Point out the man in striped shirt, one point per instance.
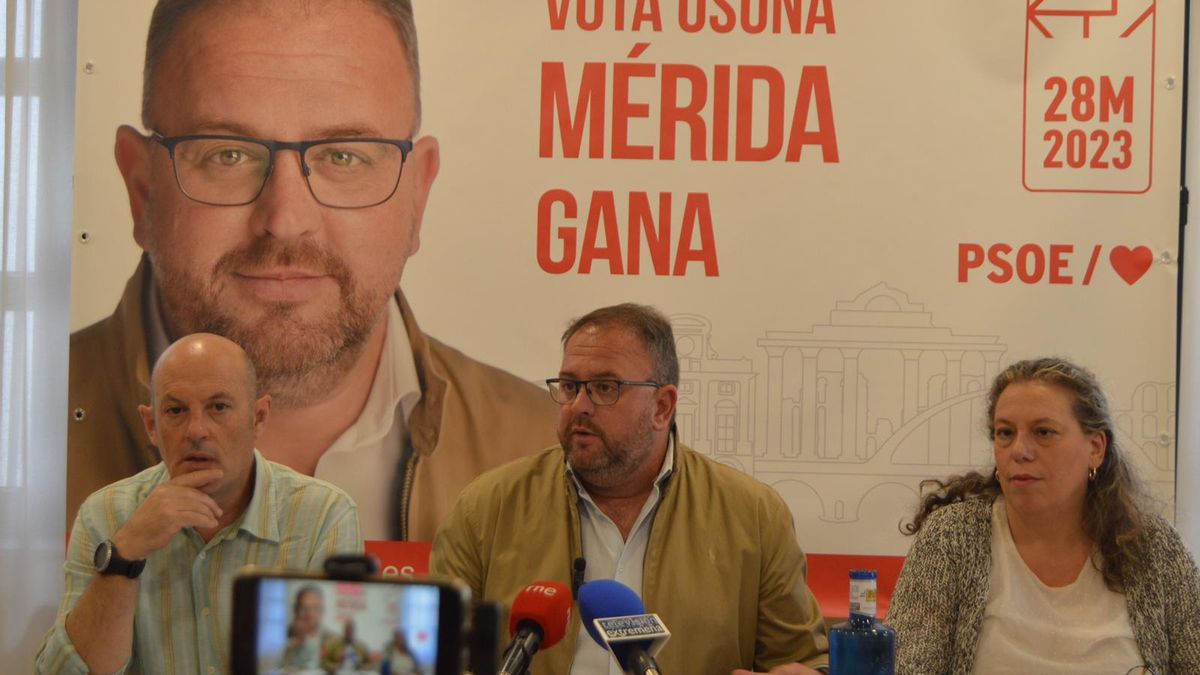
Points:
(151, 559)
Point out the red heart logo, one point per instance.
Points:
(1131, 264)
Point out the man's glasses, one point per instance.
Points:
(601, 392)
(342, 173)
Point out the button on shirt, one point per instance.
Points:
(610, 556)
(182, 621)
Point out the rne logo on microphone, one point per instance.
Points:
(548, 591)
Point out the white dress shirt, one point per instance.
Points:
(610, 556)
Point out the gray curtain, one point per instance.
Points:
(37, 151)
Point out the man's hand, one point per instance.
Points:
(101, 624)
(785, 669)
(172, 506)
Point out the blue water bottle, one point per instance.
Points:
(862, 645)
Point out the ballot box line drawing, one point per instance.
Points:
(1089, 96)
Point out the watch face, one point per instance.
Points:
(103, 555)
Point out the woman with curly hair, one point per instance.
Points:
(1048, 563)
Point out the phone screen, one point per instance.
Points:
(306, 625)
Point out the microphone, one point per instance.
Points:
(540, 615)
(617, 620)
(577, 577)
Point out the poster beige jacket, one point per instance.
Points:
(471, 416)
(722, 568)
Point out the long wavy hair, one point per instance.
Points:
(1112, 517)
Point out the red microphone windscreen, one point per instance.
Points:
(546, 603)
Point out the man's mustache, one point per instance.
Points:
(265, 252)
(586, 424)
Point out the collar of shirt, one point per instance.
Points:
(363, 461)
(396, 387)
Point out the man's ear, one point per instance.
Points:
(424, 162)
(262, 410)
(148, 421)
(665, 399)
(132, 152)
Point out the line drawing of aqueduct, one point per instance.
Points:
(877, 398)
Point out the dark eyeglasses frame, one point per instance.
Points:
(586, 385)
(301, 147)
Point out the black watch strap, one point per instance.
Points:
(110, 563)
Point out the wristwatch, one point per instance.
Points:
(109, 562)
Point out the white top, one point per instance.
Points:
(1029, 627)
(610, 556)
(365, 459)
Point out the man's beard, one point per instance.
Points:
(617, 461)
(298, 361)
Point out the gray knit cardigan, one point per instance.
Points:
(937, 608)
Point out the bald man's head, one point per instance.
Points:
(201, 346)
(204, 411)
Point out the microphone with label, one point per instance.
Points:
(540, 615)
(617, 620)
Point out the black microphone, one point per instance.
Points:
(540, 616)
(577, 577)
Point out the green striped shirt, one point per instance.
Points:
(182, 622)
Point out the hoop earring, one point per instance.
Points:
(996, 474)
(1092, 473)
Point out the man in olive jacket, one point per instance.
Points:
(277, 189)
(710, 550)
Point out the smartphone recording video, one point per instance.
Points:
(302, 623)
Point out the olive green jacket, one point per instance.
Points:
(471, 416)
(722, 568)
